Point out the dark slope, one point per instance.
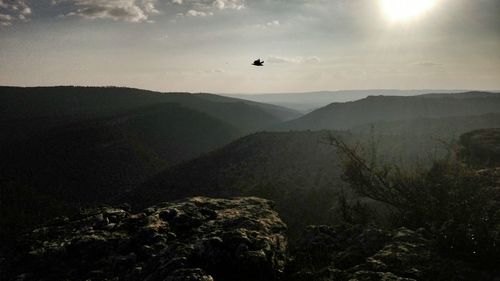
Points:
(59, 105)
(276, 164)
(65, 147)
(296, 170)
(282, 113)
(445, 127)
(115, 151)
(481, 147)
(463, 95)
(90, 162)
(390, 108)
(297, 166)
(297, 160)
(423, 139)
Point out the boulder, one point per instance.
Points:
(367, 253)
(199, 239)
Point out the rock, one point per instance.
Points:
(355, 253)
(191, 274)
(376, 276)
(197, 239)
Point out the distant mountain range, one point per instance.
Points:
(373, 109)
(308, 101)
(48, 106)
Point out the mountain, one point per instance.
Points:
(63, 148)
(280, 112)
(295, 169)
(309, 101)
(90, 162)
(297, 160)
(445, 127)
(34, 109)
(115, 151)
(461, 95)
(275, 165)
(297, 166)
(375, 109)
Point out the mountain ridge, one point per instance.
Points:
(373, 109)
(309, 101)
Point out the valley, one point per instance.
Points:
(80, 148)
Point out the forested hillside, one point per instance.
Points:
(375, 109)
(46, 106)
(63, 148)
(70, 147)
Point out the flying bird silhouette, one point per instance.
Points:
(258, 62)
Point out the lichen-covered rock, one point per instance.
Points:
(199, 239)
(353, 253)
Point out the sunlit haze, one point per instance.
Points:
(209, 45)
(402, 10)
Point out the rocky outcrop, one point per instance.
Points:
(203, 239)
(324, 253)
(199, 239)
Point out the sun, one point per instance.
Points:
(404, 10)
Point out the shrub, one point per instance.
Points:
(457, 205)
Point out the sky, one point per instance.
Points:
(209, 45)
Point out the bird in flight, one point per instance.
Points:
(258, 63)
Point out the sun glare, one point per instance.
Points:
(404, 10)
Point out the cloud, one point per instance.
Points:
(273, 23)
(297, 60)
(208, 7)
(213, 71)
(142, 10)
(12, 11)
(229, 4)
(426, 64)
(204, 8)
(209, 4)
(117, 10)
(195, 13)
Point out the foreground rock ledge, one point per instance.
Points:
(196, 239)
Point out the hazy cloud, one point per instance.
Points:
(273, 23)
(426, 64)
(12, 11)
(195, 13)
(142, 10)
(209, 4)
(229, 4)
(280, 59)
(213, 71)
(204, 8)
(117, 10)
